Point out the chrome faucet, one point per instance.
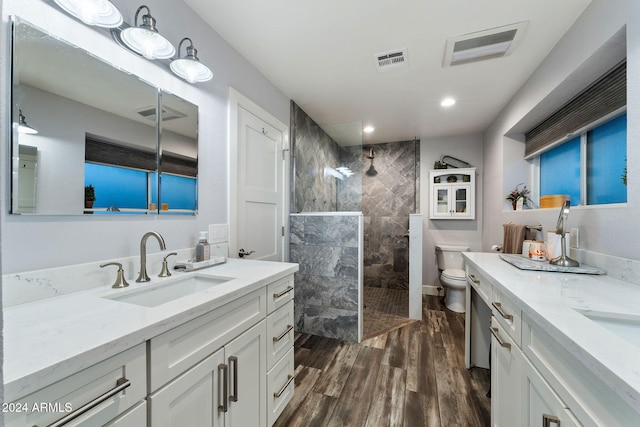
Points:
(143, 276)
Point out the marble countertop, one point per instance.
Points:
(50, 339)
(556, 301)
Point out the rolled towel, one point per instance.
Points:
(514, 235)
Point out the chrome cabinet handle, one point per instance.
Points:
(473, 279)
(286, 291)
(234, 397)
(548, 419)
(278, 393)
(121, 384)
(494, 332)
(284, 334)
(498, 306)
(223, 371)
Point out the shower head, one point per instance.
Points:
(372, 154)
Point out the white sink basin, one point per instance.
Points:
(626, 326)
(154, 295)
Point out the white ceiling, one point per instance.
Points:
(321, 55)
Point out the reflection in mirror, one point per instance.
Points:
(96, 150)
(178, 156)
(78, 102)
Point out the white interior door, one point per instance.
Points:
(258, 185)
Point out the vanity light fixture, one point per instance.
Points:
(23, 127)
(145, 40)
(101, 13)
(368, 129)
(190, 68)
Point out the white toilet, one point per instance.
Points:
(452, 276)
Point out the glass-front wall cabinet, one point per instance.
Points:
(452, 193)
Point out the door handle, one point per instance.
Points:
(242, 253)
(234, 397)
(121, 384)
(503, 343)
(223, 371)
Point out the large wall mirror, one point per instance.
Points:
(100, 147)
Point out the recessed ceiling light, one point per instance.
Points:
(368, 129)
(448, 102)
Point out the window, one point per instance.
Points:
(117, 186)
(179, 192)
(590, 167)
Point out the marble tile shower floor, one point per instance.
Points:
(384, 310)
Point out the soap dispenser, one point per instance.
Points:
(202, 248)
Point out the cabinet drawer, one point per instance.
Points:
(478, 282)
(542, 406)
(507, 315)
(592, 401)
(279, 333)
(280, 385)
(180, 348)
(136, 417)
(279, 293)
(103, 384)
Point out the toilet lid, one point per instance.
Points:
(454, 273)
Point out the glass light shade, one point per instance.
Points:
(147, 43)
(191, 70)
(101, 13)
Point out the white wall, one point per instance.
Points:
(614, 230)
(30, 243)
(458, 232)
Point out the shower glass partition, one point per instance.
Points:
(326, 224)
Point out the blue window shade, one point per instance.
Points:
(115, 186)
(560, 171)
(606, 161)
(178, 192)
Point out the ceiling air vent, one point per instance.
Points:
(149, 113)
(391, 60)
(487, 44)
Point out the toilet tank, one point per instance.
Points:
(449, 256)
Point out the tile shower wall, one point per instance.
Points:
(327, 248)
(389, 194)
(314, 151)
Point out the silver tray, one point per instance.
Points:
(526, 264)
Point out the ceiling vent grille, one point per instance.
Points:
(149, 113)
(387, 61)
(488, 44)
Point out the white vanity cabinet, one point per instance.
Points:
(506, 374)
(228, 387)
(110, 393)
(220, 358)
(280, 337)
(535, 380)
(452, 193)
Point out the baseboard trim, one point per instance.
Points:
(429, 290)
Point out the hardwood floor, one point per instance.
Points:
(413, 376)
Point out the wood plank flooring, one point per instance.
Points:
(413, 376)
